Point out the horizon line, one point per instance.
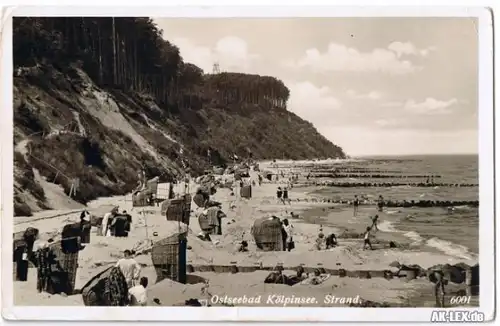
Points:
(414, 154)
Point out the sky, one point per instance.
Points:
(374, 86)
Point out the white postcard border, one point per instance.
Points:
(486, 175)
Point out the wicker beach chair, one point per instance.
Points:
(169, 258)
(267, 234)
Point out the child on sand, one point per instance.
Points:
(367, 239)
(243, 246)
(331, 241)
(320, 242)
(279, 193)
(138, 293)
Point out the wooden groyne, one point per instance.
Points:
(392, 184)
(395, 203)
(372, 176)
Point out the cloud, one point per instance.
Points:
(230, 52)
(339, 57)
(387, 122)
(392, 104)
(407, 48)
(373, 95)
(381, 141)
(430, 106)
(312, 103)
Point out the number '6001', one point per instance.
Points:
(460, 300)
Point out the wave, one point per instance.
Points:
(387, 226)
(417, 239)
(451, 248)
(447, 247)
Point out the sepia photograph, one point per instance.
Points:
(312, 162)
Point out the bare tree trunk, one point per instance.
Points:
(114, 52)
(100, 54)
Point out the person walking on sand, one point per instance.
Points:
(130, 268)
(374, 222)
(279, 193)
(367, 239)
(355, 205)
(380, 203)
(138, 294)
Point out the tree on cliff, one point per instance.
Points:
(131, 54)
(226, 113)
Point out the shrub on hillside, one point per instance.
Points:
(114, 172)
(21, 208)
(26, 178)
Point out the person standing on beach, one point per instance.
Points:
(284, 235)
(279, 193)
(355, 204)
(285, 196)
(106, 221)
(289, 235)
(374, 222)
(130, 268)
(367, 239)
(129, 221)
(380, 203)
(85, 227)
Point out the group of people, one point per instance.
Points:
(115, 224)
(322, 243)
(368, 233)
(278, 277)
(282, 195)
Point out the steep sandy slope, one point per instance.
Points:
(67, 127)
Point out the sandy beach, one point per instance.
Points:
(310, 216)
